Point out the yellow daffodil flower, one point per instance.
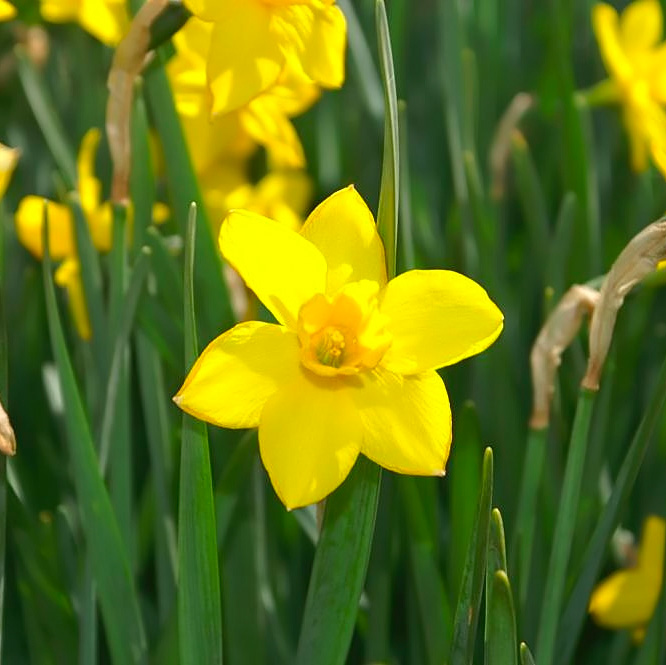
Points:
(627, 598)
(106, 20)
(635, 58)
(8, 159)
(7, 10)
(253, 41)
(350, 366)
(264, 120)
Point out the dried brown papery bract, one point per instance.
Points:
(637, 260)
(555, 336)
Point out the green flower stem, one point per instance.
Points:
(576, 610)
(564, 529)
(523, 537)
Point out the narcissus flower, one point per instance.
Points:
(8, 159)
(349, 367)
(635, 58)
(106, 20)
(253, 41)
(627, 598)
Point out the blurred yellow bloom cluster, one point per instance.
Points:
(29, 221)
(350, 366)
(220, 145)
(635, 58)
(106, 20)
(627, 598)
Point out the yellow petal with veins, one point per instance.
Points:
(237, 372)
(343, 229)
(309, 439)
(406, 421)
(279, 265)
(436, 318)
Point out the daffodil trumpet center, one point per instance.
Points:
(344, 333)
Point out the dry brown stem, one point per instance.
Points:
(129, 59)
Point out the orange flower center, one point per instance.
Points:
(345, 333)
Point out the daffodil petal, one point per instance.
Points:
(343, 229)
(641, 25)
(316, 34)
(8, 158)
(279, 265)
(237, 372)
(244, 57)
(29, 220)
(436, 318)
(309, 439)
(606, 25)
(406, 421)
(627, 598)
(68, 276)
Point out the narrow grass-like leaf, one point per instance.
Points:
(532, 198)
(174, 16)
(501, 630)
(389, 195)
(471, 588)
(523, 535)
(407, 254)
(428, 585)
(164, 265)
(576, 609)
(496, 562)
(4, 386)
(199, 607)
(339, 568)
(91, 278)
(110, 562)
(564, 529)
(153, 393)
(43, 107)
(118, 360)
(463, 484)
(653, 649)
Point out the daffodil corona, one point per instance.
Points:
(350, 365)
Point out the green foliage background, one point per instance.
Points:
(568, 204)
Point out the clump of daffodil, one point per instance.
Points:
(106, 20)
(627, 598)
(263, 120)
(254, 41)
(350, 365)
(633, 55)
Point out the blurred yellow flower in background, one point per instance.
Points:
(7, 10)
(106, 20)
(8, 159)
(350, 366)
(635, 58)
(254, 41)
(627, 598)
